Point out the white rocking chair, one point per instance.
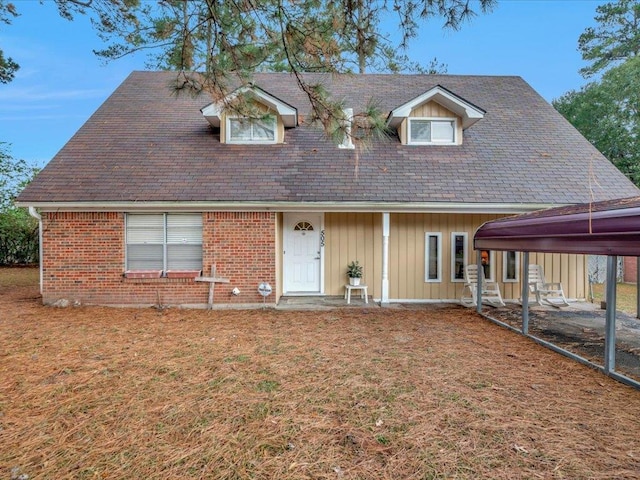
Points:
(490, 290)
(550, 293)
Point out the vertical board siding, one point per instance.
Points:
(431, 109)
(407, 261)
(349, 237)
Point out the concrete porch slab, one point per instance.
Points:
(323, 302)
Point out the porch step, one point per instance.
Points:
(326, 302)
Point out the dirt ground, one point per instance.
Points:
(581, 331)
(89, 392)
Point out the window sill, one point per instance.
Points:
(155, 276)
(183, 273)
(143, 274)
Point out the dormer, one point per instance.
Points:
(437, 117)
(260, 119)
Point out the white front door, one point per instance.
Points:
(302, 253)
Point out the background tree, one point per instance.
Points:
(14, 176)
(8, 67)
(18, 230)
(615, 38)
(607, 111)
(217, 45)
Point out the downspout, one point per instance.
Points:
(36, 215)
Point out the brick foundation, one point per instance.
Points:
(84, 260)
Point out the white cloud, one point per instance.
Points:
(40, 93)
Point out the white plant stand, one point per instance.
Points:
(363, 292)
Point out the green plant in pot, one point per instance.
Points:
(354, 272)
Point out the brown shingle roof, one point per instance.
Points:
(145, 144)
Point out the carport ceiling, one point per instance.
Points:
(601, 228)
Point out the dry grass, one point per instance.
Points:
(345, 394)
(18, 277)
(625, 296)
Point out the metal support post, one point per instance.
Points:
(479, 285)
(610, 324)
(525, 293)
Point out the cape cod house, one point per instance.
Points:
(154, 189)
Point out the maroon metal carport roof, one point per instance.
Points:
(601, 228)
(608, 228)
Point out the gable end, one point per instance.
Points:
(466, 111)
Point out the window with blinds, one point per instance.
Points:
(164, 241)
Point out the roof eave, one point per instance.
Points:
(288, 206)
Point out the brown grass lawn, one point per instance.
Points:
(426, 393)
(625, 296)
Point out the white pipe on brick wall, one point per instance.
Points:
(36, 215)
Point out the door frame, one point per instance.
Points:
(288, 218)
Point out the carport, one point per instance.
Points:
(610, 228)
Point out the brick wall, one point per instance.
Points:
(242, 244)
(84, 260)
(630, 269)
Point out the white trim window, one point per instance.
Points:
(432, 131)
(458, 256)
(164, 241)
(488, 264)
(510, 267)
(432, 257)
(252, 130)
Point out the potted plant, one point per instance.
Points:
(354, 272)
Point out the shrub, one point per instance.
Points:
(18, 237)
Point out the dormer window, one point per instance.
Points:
(437, 117)
(251, 130)
(266, 126)
(430, 131)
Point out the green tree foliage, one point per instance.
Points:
(615, 38)
(8, 67)
(306, 35)
(18, 238)
(14, 176)
(607, 113)
(18, 230)
(225, 42)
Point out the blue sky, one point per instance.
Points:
(61, 82)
